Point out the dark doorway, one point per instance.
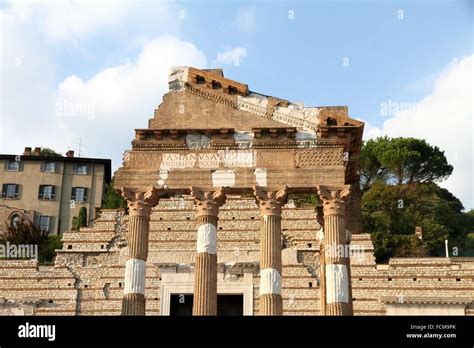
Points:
(230, 304)
(182, 304)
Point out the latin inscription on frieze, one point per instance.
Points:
(245, 158)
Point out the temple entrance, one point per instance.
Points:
(182, 304)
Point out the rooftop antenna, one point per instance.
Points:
(80, 144)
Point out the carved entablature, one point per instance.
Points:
(176, 134)
(208, 202)
(335, 127)
(270, 202)
(333, 199)
(322, 157)
(274, 132)
(195, 139)
(140, 201)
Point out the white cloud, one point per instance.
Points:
(111, 104)
(371, 131)
(445, 119)
(77, 20)
(233, 56)
(27, 72)
(72, 20)
(103, 109)
(245, 19)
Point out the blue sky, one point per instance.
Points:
(356, 53)
(388, 57)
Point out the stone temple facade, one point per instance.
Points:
(210, 228)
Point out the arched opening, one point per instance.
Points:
(15, 220)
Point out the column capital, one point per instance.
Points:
(270, 202)
(208, 202)
(140, 201)
(333, 198)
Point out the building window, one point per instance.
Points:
(48, 167)
(82, 169)
(13, 166)
(79, 194)
(44, 223)
(11, 191)
(46, 192)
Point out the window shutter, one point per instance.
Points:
(5, 165)
(17, 191)
(53, 192)
(4, 190)
(86, 191)
(73, 194)
(20, 166)
(43, 165)
(74, 168)
(40, 193)
(89, 169)
(56, 167)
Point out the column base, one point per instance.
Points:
(133, 304)
(271, 304)
(338, 308)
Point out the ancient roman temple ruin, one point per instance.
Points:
(214, 225)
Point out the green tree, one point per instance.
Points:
(112, 200)
(80, 220)
(398, 181)
(75, 223)
(48, 251)
(304, 199)
(47, 152)
(25, 232)
(82, 217)
(370, 167)
(391, 214)
(401, 161)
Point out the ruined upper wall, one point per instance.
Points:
(233, 105)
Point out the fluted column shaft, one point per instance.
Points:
(270, 204)
(337, 262)
(140, 204)
(205, 276)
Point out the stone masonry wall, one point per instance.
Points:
(87, 278)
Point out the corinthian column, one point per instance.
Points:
(337, 263)
(205, 281)
(270, 204)
(140, 203)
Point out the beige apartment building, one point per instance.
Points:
(48, 190)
